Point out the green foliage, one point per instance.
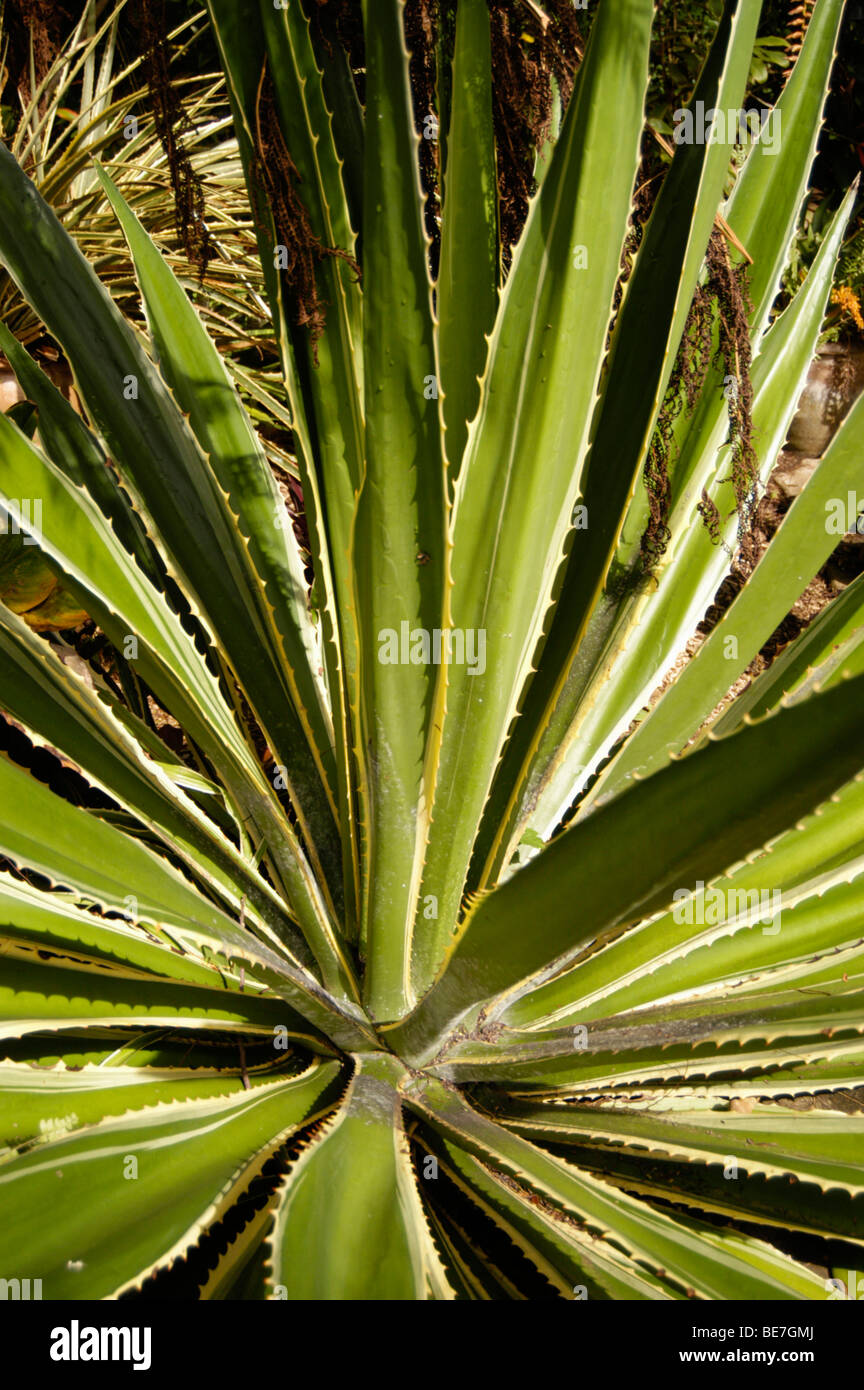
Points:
(380, 947)
(681, 38)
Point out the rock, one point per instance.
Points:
(834, 382)
(10, 391)
(793, 472)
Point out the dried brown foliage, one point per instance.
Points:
(172, 124)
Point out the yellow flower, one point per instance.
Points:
(849, 303)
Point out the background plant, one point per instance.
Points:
(88, 92)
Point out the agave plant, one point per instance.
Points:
(469, 944)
